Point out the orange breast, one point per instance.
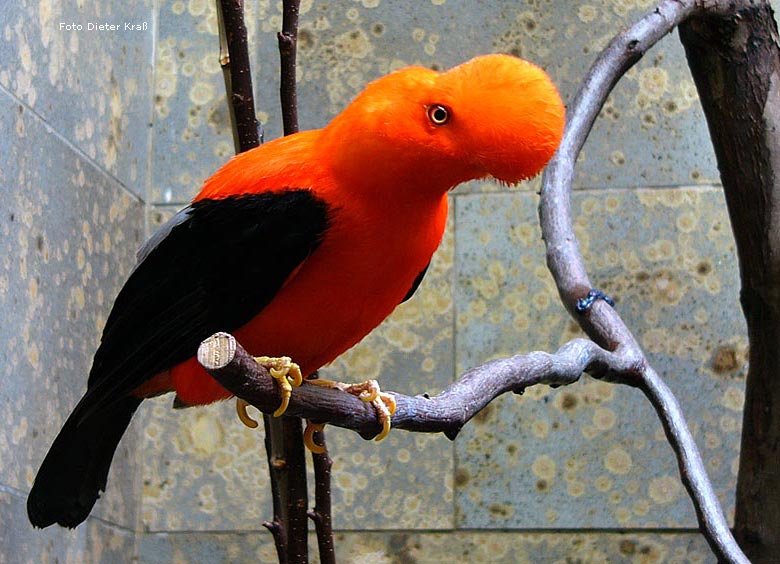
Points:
(351, 283)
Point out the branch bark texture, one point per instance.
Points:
(234, 60)
(288, 45)
(735, 62)
(446, 412)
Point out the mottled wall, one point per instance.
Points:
(528, 479)
(654, 232)
(75, 109)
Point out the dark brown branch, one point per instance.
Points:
(446, 413)
(735, 62)
(234, 59)
(321, 514)
(280, 539)
(247, 134)
(288, 41)
(296, 493)
(294, 488)
(602, 323)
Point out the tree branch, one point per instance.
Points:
(735, 63)
(321, 514)
(447, 412)
(296, 490)
(280, 538)
(288, 42)
(602, 323)
(283, 440)
(234, 60)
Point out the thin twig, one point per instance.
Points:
(602, 323)
(277, 463)
(296, 491)
(280, 539)
(234, 59)
(321, 514)
(288, 42)
(248, 134)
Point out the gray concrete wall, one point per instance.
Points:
(582, 473)
(75, 110)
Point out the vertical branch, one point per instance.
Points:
(274, 450)
(234, 60)
(602, 323)
(321, 515)
(288, 42)
(296, 498)
(735, 62)
(247, 134)
(296, 493)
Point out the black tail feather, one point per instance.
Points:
(75, 470)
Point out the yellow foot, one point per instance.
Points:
(284, 371)
(369, 392)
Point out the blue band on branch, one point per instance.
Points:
(584, 304)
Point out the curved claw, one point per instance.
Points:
(308, 437)
(369, 392)
(245, 418)
(287, 373)
(385, 406)
(286, 393)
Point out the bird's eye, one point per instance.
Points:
(438, 114)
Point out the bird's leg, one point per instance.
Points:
(284, 371)
(367, 391)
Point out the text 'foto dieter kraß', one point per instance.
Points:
(104, 26)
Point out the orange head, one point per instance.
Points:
(493, 116)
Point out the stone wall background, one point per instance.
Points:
(75, 111)
(105, 133)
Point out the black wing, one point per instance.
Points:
(217, 267)
(416, 283)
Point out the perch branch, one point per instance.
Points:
(224, 358)
(602, 323)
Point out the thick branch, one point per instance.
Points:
(735, 62)
(445, 413)
(602, 323)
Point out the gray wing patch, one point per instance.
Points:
(162, 232)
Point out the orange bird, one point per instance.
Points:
(299, 247)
